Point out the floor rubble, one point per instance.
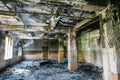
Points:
(32, 70)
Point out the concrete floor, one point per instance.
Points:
(32, 70)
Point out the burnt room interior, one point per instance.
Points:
(59, 40)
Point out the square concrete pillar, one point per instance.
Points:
(61, 50)
(110, 39)
(72, 51)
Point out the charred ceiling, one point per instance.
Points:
(98, 2)
(116, 3)
(91, 27)
(45, 18)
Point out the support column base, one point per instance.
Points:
(72, 66)
(114, 76)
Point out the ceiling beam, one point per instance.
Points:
(21, 12)
(3, 7)
(14, 12)
(18, 26)
(19, 29)
(10, 21)
(79, 6)
(85, 7)
(42, 38)
(89, 7)
(78, 25)
(36, 29)
(11, 26)
(30, 38)
(84, 23)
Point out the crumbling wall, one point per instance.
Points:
(80, 55)
(33, 51)
(8, 62)
(110, 41)
(2, 61)
(40, 49)
(32, 55)
(89, 48)
(53, 50)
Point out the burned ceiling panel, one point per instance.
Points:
(48, 16)
(33, 20)
(61, 19)
(98, 2)
(116, 3)
(10, 21)
(3, 7)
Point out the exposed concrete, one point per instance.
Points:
(89, 48)
(32, 55)
(38, 51)
(53, 55)
(110, 31)
(63, 13)
(80, 56)
(72, 51)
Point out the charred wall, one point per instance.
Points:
(8, 62)
(41, 49)
(89, 46)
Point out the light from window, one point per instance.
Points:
(8, 47)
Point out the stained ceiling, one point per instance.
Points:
(35, 19)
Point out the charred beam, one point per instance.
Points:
(85, 23)
(36, 13)
(82, 6)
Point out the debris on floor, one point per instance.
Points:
(50, 70)
(40, 63)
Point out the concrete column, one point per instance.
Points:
(110, 39)
(72, 51)
(61, 51)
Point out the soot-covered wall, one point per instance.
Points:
(89, 47)
(41, 49)
(16, 55)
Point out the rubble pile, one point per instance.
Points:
(50, 70)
